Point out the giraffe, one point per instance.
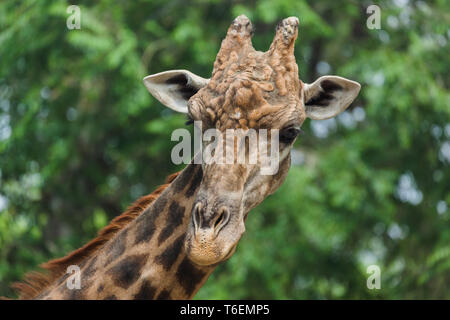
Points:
(166, 245)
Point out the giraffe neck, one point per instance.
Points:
(145, 260)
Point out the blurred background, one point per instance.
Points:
(81, 139)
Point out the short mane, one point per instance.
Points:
(35, 282)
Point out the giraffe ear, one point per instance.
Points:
(328, 96)
(174, 88)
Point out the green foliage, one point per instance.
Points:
(81, 138)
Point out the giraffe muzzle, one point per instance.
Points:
(215, 220)
(213, 237)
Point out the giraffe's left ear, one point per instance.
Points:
(328, 96)
(174, 88)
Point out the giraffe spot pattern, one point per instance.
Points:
(184, 178)
(174, 219)
(163, 295)
(170, 255)
(195, 183)
(73, 294)
(146, 292)
(127, 271)
(90, 269)
(117, 247)
(146, 228)
(189, 276)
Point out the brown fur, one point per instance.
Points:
(35, 282)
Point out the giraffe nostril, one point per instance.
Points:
(222, 219)
(219, 219)
(212, 222)
(197, 216)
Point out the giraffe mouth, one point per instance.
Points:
(208, 250)
(205, 260)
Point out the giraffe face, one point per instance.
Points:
(249, 91)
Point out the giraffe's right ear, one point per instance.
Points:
(174, 88)
(328, 96)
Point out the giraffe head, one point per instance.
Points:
(248, 90)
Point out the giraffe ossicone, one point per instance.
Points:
(167, 244)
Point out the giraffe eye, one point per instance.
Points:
(288, 135)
